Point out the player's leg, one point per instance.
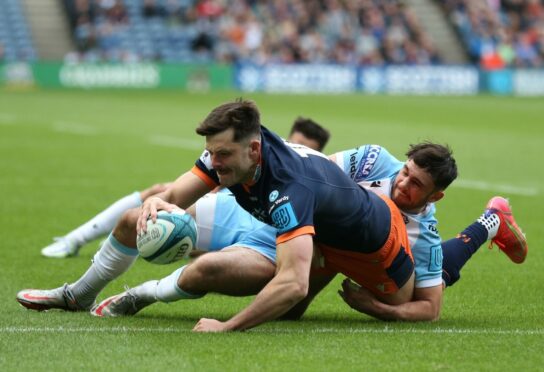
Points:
(114, 257)
(98, 226)
(243, 268)
(404, 294)
(497, 224)
(235, 271)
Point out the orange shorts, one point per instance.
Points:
(382, 272)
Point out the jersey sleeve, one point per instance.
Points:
(427, 252)
(291, 210)
(203, 169)
(368, 163)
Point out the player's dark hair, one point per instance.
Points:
(310, 129)
(241, 115)
(437, 160)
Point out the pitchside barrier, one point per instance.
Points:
(276, 78)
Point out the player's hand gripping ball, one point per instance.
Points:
(169, 239)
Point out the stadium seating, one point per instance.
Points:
(366, 32)
(500, 33)
(15, 40)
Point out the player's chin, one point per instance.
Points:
(225, 180)
(400, 201)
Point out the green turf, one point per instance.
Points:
(65, 155)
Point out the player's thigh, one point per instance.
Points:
(403, 295)
(248, 263)
(235, 271)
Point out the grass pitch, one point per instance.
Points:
(66, 155)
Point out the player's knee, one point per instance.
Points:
(129, 219)
(125, 230)
(203, 270)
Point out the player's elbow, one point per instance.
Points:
(432, 315)
(298, 290)
(435, 315)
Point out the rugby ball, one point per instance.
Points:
(169, 239)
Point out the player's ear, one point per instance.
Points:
(255, 148)
(436, 196)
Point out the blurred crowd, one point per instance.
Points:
(363, 32)
(501, 33)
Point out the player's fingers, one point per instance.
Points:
(345, 286)
(347, 299)
(351, 285)
(141, 224)
(152, 212)
(169, 207)
(196, 328)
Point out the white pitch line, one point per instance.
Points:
(74, 128)
(387, 330)
(182, 143)
(495, 187)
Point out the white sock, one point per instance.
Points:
(491, 222)
(104, 222)
(167, 289)
(111, 260)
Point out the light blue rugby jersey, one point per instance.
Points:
(374, 168)
(222, 223)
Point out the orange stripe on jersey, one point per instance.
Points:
(293, 234)
(204, 177)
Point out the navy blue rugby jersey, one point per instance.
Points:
(300, 191)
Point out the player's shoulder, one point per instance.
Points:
(368, 162)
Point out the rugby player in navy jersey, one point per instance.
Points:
(308, 199)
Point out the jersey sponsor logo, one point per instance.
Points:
(206, 159)
(432, 228)
(368, 160)
(284, 218)
(353, 164)
(376, 184)
(273, 195)
(279, 201)
(435, 263)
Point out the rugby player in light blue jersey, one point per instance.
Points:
(373, 167)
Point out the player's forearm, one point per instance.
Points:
(409, 311)
(185, 191)
(273, 301)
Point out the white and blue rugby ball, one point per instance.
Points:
(169, 239)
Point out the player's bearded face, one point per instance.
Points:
(413, 188)
(231, 160)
